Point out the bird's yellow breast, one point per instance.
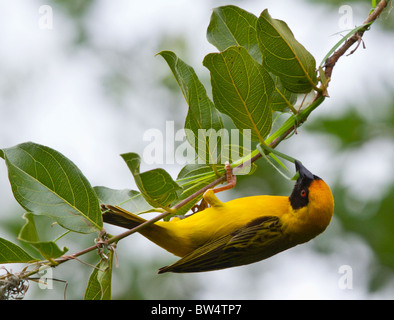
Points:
(181, 236)
(215, 222)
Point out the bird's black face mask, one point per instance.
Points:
(299, 196)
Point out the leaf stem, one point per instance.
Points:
(62, 235)
(260, 147)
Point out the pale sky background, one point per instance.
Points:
(54, 95)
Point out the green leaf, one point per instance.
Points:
(282, 98)
(156, 186)
(99, 284)
(242, 89)
(192, 178)
(202, 115)
(130, 200)
(232, 26)
(11, 253)
(284, 56)
(48, 249)
(45, 182)
(193, 171)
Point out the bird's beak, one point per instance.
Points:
(303, 172)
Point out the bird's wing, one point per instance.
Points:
(259, 239)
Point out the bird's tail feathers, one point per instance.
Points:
(120, 217)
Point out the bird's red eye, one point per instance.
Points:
(303, 193)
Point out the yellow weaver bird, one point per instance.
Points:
(240, 231)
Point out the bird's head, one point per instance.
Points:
(312, 192)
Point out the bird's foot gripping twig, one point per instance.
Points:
(209, 198)
(231, 179)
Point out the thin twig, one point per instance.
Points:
(357, 37)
